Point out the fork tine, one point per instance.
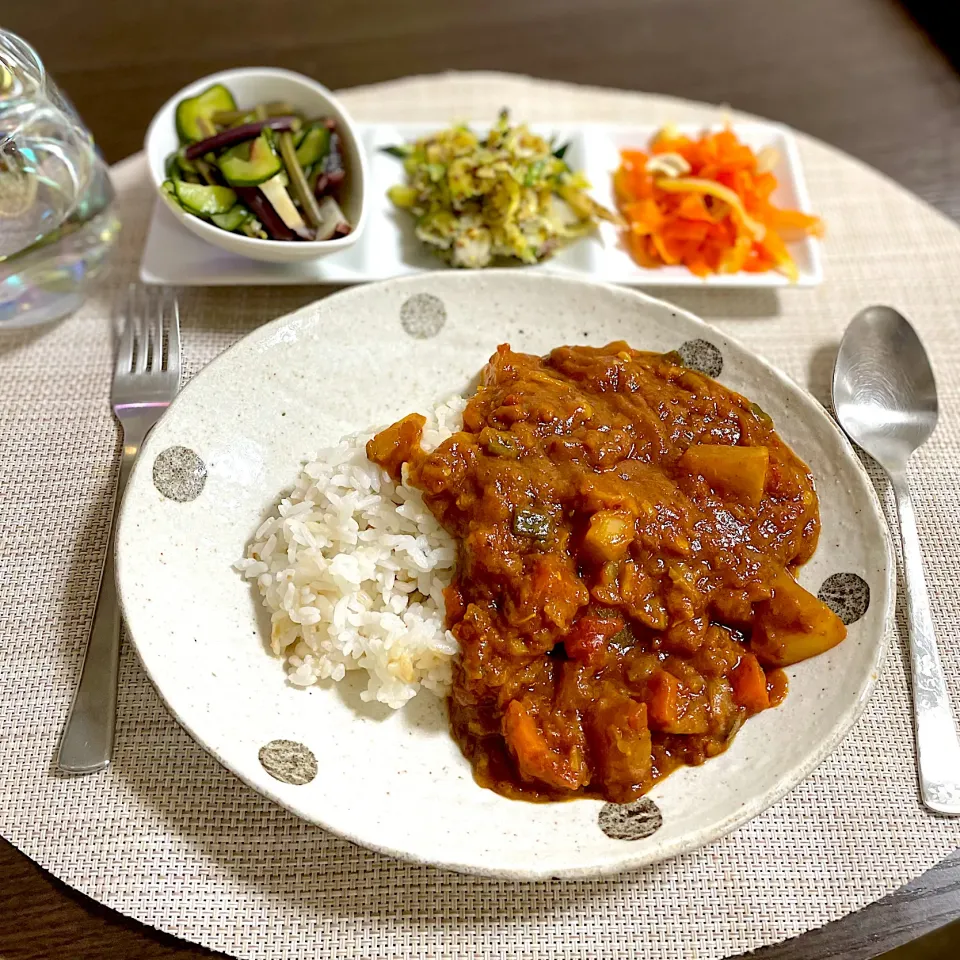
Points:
(125, 343)
(172, 316)
(154, 326)
(140, 329)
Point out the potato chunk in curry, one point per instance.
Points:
(628, 530)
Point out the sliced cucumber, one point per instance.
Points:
(314, 146)
(204, 200)
(169, 190)
(233, 219)
(171, 168)
(250, 164)
(203, 106)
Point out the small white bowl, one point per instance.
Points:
(249, 86)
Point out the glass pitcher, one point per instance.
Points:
(56, 219)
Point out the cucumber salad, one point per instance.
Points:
(267, 172)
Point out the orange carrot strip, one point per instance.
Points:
(718, 219)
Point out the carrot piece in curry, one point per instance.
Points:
(750, 684)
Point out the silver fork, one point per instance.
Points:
(145, 379)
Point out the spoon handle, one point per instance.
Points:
(938, 748)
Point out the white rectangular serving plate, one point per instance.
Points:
(389, 248)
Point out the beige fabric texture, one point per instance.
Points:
(169, 837)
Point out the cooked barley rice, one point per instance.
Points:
(352, 568)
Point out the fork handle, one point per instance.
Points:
(87, 742)
(938, 748)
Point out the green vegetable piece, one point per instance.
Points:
(205, 170)
(250, 164)
(501, 444)
(275, 108)
(314, 146)
(534, 173)
(185, 165)
(401, 152)
(192, 112)
(228, 118)
(561, 151)
(252, 228)
(184, 168)
(202, 199)
(529, 523)
(298, 180)
(233, 220)
(761, 414)
(402, 196)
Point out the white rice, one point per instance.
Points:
(352, 568)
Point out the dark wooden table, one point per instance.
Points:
(861, 74)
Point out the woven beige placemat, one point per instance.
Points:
(170, 838)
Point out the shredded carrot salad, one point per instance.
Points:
(705, 204)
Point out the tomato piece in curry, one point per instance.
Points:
(628, 532)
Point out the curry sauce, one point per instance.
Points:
(627, 531)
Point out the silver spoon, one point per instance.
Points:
(886, 399)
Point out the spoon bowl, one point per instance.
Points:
(884, 390)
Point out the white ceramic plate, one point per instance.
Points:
(388, 247)
(396, 781)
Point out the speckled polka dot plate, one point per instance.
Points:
(395, 781)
